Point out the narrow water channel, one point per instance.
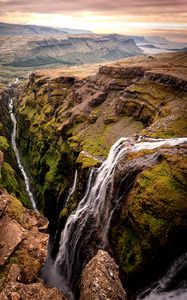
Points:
(16, 151)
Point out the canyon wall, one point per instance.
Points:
(67, 124)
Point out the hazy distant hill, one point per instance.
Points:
(138, 39)
(19, 29)
(75, 31)
(157, 39)
(32, 51)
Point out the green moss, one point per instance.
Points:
(157, 189)
(8, 180)
(130, 250)
(153, 92)
(87, 161)
(3, 276)
(48, 109)
(29, 266)
(15, 209)
(64, 212)
(30, 112)
(4, 145)
(74, 143)
(95, 146)
(155, 215)
(176, 127)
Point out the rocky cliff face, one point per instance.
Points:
(10, 175)
(68, 123)
(151, 220)
(23, 248)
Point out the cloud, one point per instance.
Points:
(105, 7)
(101, 16)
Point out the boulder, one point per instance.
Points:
(100, 279)
(35, 291)
(11, 235)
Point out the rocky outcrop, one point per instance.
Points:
(100, 279)
(23, 249)
(35, 291)
(11, 236)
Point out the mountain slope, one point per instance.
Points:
(19, 29)
(20, 51)
(22, 29)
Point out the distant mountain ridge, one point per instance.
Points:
(32, 51)
(21, 29)
(31, 46)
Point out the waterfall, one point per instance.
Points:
(86, 229)
(162, 289)
(16, 151)
(73, 187)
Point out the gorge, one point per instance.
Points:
(132, 203)
(14, 146)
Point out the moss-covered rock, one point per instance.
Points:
(87, 161)
(44, 150)
(152, 218)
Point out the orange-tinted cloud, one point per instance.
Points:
(135, 7)
(138, 17)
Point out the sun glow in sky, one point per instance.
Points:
(136, 17)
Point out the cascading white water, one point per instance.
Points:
(159, 290)
(155, 143)
(73, 187)
(14, 146)
(94, 212)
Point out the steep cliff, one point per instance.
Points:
(67, 123)
(10, 175)
(148, 229)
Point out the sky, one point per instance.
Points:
(132, 17)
